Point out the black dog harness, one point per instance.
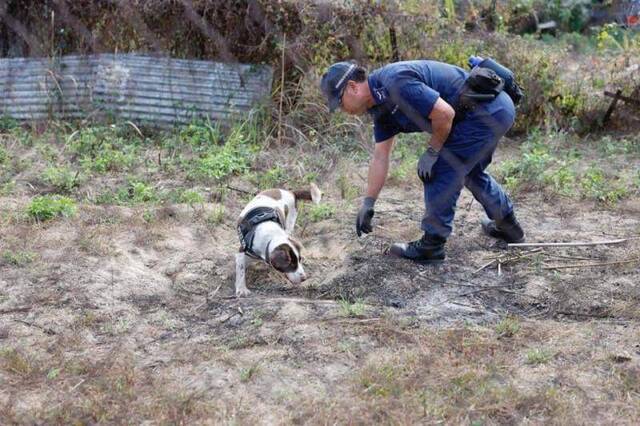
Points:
(247, 228)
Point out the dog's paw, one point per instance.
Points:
(243, 292)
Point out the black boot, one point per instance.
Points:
(507, 229)
(427, 250)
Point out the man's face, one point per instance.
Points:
(353, 101)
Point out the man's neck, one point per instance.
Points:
(371, 102)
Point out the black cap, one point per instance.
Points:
(334, 81)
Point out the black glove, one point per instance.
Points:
(363, 221)
(426, 162)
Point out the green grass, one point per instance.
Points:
(319, 212)
(352, 309)
(595, 184)
(18, 258)
(272, 178)
(4, 156)
(538, 356)
(191, 197)
(62, 178)
(246, 374)
(46, 207)
(216, 216)
(545, 163)
(507, 327)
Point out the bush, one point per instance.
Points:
(4, 156)
(46, 207)
(62, 178)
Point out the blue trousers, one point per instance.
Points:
(462, 162)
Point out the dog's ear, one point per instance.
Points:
(284, 259)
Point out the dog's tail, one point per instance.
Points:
(312, 194)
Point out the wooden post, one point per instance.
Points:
(395, 54)
(614, 102)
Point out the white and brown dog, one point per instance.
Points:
(265, 229)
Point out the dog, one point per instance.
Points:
(265, 229)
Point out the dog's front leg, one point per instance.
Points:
(291, 221)
(241, 282)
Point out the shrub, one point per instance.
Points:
(62, 178)
(46, 207)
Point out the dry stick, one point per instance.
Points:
(517, 256)
(284, 42)
(589, 265)
(12, 310)
(507, 259)
(44, 329)
(242, 191)
(573, 244)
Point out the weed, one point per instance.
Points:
(272, 178)
(318, 212)
(218, 163)
(216, 216)
(507, 327)
(538, 356)
(149, 216)
(18, 258)
(191, 197)
(7, 188)
(349, 309)
(348, 191)
(596, 185)
(402, 171)
(62, 178)
(247, 374)
(53, 373)
(46, 207)
(15, 362)
(382, 381)
(137, 192)
(4, 156)
(562, 179)
(7, 123)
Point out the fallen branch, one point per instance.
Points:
(591, 265)
(12, 310)
(46, 330)
(570, 244)
(504, 259)
(242, 191)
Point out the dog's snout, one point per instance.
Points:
(303, 277)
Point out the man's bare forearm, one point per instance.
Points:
(441, 129)
(377, 175)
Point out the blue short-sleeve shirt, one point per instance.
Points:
(405, 93)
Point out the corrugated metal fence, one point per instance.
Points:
(156, 91)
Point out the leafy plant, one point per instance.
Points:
(507, 327)
(352, 309)
(191, 197)
(318, 212)
(538, 356)
(18, 258)
(62, 178)
(46, 207)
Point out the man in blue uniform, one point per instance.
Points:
(421, 96)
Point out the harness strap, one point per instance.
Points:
(248, 224)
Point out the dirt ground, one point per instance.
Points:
(118, 320)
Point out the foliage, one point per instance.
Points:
(46, 207)
(62, 178)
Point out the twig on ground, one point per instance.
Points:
(242, 191)
(12, 310)
(44, 329)
(591, 265)
(571, 244)
(507, 258)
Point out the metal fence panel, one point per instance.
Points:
(156, 91)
